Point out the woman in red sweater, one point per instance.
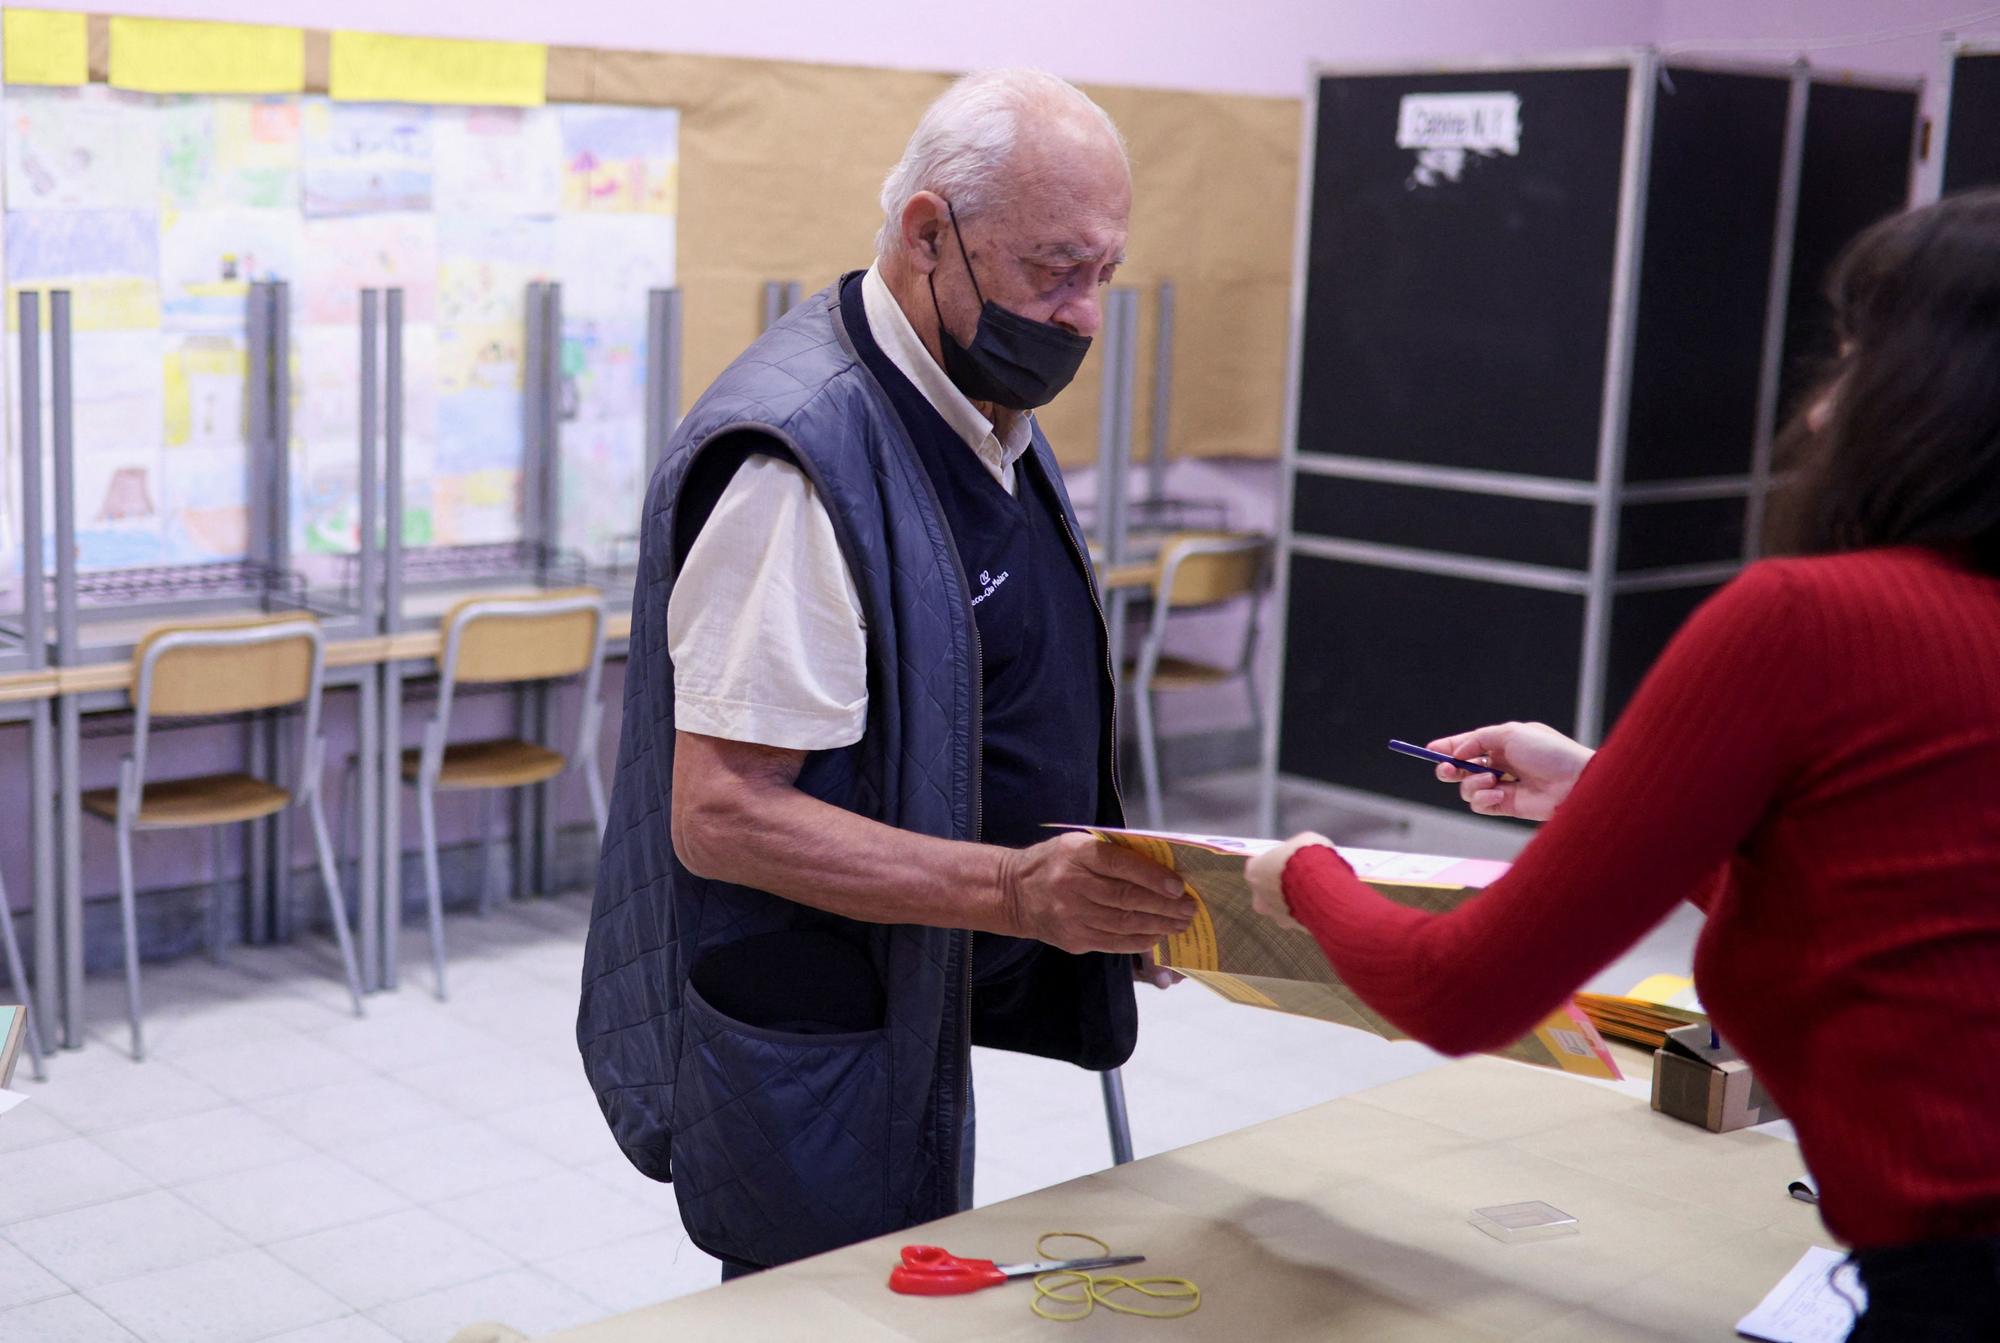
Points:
(1815, 759)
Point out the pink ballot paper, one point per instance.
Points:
(1248, 959)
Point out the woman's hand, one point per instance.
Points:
(1266, 875)
(1545, 765)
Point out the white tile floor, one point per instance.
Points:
(278, 1170)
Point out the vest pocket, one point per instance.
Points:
(782, 1132)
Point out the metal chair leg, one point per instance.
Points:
(336, 904)
(350, 774)
(18, 977)
(599, 809)
(1115, 1117)
(216, 905)
(489, 821)
(1256, 703)
(128, 914)
(427, 818)
(1149, 753)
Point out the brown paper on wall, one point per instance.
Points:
(781, 163)
(1214, 181)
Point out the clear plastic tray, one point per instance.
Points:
(1515, 1222)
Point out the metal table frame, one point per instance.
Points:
(538, 561)
(88, 642)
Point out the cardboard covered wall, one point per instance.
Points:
(781, 163)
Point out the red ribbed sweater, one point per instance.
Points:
(1815, 759)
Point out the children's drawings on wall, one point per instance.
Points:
(326, 428)
(229, 153)
(479, 397)
(602, 460)
(485, 264)
(366, 158)
(203, 504)
(158, 214)
(623, 160)
(341, 257)
(497, 160)
(608, 262)
(209, 258)
(107, 259)
(603, 431)
(92, 148)
(203, 387)
(117, 412)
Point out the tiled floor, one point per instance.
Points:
(278, 1170)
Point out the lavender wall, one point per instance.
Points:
(1241, 48)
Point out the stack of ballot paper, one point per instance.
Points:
(1248, 959)
(1634, 1020)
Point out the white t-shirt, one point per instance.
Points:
(764, 625)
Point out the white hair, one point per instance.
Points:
(961, 147)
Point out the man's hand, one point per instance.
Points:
(1545, 765)
(1078, 894)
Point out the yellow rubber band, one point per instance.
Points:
(1071, 1294)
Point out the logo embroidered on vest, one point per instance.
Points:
(988, 584)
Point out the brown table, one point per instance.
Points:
(1349, 1221)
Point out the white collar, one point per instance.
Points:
(899, 340)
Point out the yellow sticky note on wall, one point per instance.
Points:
(172, 56)
(375, 67)
(46, 47)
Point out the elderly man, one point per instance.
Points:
(868, 668)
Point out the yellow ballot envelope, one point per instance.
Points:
(1247, 959)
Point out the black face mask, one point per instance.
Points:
(1013, 361)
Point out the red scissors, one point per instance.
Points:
(927, 1270)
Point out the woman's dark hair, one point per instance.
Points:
(1907, 446)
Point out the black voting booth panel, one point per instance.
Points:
(1972, 121)
(1535, 389)
(1860, 142)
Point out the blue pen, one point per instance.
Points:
(1438, 757)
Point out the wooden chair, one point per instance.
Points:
(1197, 570)
(220, 668)
(502, 641)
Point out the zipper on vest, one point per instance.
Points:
(978, 835)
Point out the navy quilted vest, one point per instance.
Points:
(784, 1142)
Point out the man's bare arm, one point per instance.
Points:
(738, 816)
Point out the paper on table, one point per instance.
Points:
(1806, 1306)
(1248, 959)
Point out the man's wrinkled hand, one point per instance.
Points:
(1079, 894)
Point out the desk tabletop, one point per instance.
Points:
(1348, 1220)
(26, 685)
(123, 633)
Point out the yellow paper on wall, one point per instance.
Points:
(375, 67)
(173, 56)
(46, 47)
